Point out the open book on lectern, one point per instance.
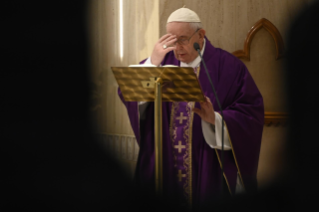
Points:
(149, 65)
(137, 83)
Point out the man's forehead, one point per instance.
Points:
(179, 28)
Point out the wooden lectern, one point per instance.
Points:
(158, 84)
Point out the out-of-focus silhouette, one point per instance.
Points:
(50, 157)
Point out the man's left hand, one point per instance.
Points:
(206, 112)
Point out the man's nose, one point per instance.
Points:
(178, 46)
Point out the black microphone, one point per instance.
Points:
(197, 48)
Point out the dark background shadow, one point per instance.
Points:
(51, 160)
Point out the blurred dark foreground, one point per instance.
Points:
(50, 159)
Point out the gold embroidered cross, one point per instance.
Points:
(179, 146)
(180, 175)
(181, 118)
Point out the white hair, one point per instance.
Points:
(196, 25)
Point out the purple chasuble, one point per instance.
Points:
(243, 112)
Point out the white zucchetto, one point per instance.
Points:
(183, 15)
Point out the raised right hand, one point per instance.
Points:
(159, 52)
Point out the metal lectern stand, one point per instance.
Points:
(157, 84)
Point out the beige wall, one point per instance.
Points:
(141, 31)
(226, 22)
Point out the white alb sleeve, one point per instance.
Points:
(213, 139)
(148, 61)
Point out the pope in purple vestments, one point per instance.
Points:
(191, 167)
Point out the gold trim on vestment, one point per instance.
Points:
(172, 129)
(190, 141)
(224, 172)
(241, 179)
(139, 121)
(187, 158)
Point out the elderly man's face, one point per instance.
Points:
(184, 53)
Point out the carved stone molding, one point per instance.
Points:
(262, 23)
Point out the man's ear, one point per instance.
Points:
(201, 33)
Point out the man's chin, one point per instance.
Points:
(182, 60)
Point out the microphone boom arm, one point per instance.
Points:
(197, 48)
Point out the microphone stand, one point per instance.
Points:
(197, 48)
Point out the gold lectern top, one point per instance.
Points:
(180, 84)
